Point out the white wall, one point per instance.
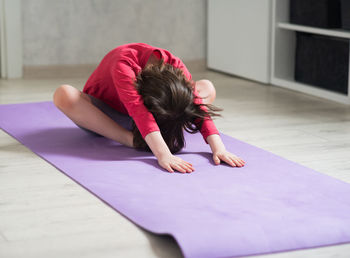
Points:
(10, 39)
(83, 31)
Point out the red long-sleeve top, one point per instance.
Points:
(113, 83)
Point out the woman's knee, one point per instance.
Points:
(65, 97)
(211, 87)
(208, 90)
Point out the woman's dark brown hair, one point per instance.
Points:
(168, 95)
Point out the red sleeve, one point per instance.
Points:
(123, 79)
(177, 63)
(208, 126)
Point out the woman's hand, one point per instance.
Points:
(171, 163)
(165, 158)
(221, 154)
(228, 157)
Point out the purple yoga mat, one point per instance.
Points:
(270, 205)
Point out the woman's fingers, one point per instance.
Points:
(172, 163)
(169, 168)
(235, 161)
(183, 166)
(179, 168)
(241, 161)
(188, 168)
(188, 164)
(224, 158)
(231, 160)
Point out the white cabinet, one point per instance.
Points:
(254, 39)
(239, 38)
(283, 53)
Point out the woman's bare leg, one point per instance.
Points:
(206, 91)
(78, 107)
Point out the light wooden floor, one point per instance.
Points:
(45, 214)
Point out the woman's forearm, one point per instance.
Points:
(157, 144)
(215, 142)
